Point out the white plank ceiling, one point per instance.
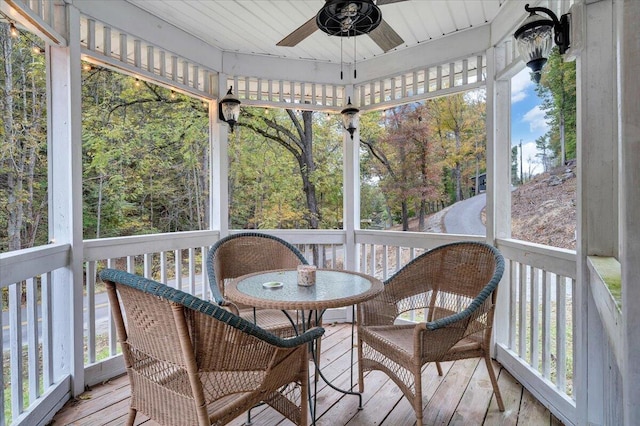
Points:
(256, 26)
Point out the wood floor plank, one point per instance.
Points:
(511, 392)
(532, 412)
(403, 413)
(380, 397)
(444, 402)
(475, 399)
(462, 396)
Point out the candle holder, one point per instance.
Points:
(307, 275)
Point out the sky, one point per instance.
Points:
(527, 120)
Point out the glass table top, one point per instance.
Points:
(332, 289)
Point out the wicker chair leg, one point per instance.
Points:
(132, 416)
(304, 396)
(439, 368)
(494, 381)
(360, 372)
(417, 399)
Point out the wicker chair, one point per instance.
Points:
(246, 253)
(190, 362)
(455, 287)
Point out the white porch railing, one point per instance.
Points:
(28, 374)
(535, 323)
(534, 332)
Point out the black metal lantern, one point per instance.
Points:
(350, 118)
(229, 109)
(534, 37)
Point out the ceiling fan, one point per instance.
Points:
(348, 18)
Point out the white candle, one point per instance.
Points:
(306, 275)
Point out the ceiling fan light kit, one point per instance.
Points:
(348, 18)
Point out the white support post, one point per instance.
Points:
(65, 200)
(498, 194)
(219, 144)
(597, 192)
(351, 197)
(629, 141)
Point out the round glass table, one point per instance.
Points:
(279, 289)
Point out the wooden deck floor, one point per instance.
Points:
(462, 396)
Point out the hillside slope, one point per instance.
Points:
(543, 210)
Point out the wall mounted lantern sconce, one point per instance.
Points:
(350, 118)
(229, 109)
(534, 37)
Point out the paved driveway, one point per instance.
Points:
(464, 217)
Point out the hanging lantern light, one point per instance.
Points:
(350, 118)
(229, 109)
(536, 35)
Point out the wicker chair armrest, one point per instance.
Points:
(483, 297)
(177, 296)
(377, 311)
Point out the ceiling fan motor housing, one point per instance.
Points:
(348, 18)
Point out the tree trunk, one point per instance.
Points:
(14, 183)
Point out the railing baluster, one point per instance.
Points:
(561, 336)
(205, 277)
(372, 260)
(163, 267)
(534, 307)
(91, 311)
(32, 339)
(513, 297)
(148, 263)
(192, 270)
(385, 262)
(15, 337)
(178, 269)
(522, 305)
(47, 335)
(546, 327)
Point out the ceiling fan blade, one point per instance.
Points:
(304, 31)
(383, 2)
(386, 37)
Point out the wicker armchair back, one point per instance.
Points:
(191, 362)
(453, 287)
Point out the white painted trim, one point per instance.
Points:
(609, 312)
(33, 22)
(41, 260)
(104, 370)
(351, 193)
(106, 248)
(628, 16)
(128, 18)
(65, 205)
(47, 405)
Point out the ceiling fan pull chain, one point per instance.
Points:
(341, 58)
(354, 57)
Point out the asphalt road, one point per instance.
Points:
(464, 217)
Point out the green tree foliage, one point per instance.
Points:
(460, 123)
(286, 170)
(557, 89)
(145, 153)
(545, 152)
(23, 135)
(406, 160)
